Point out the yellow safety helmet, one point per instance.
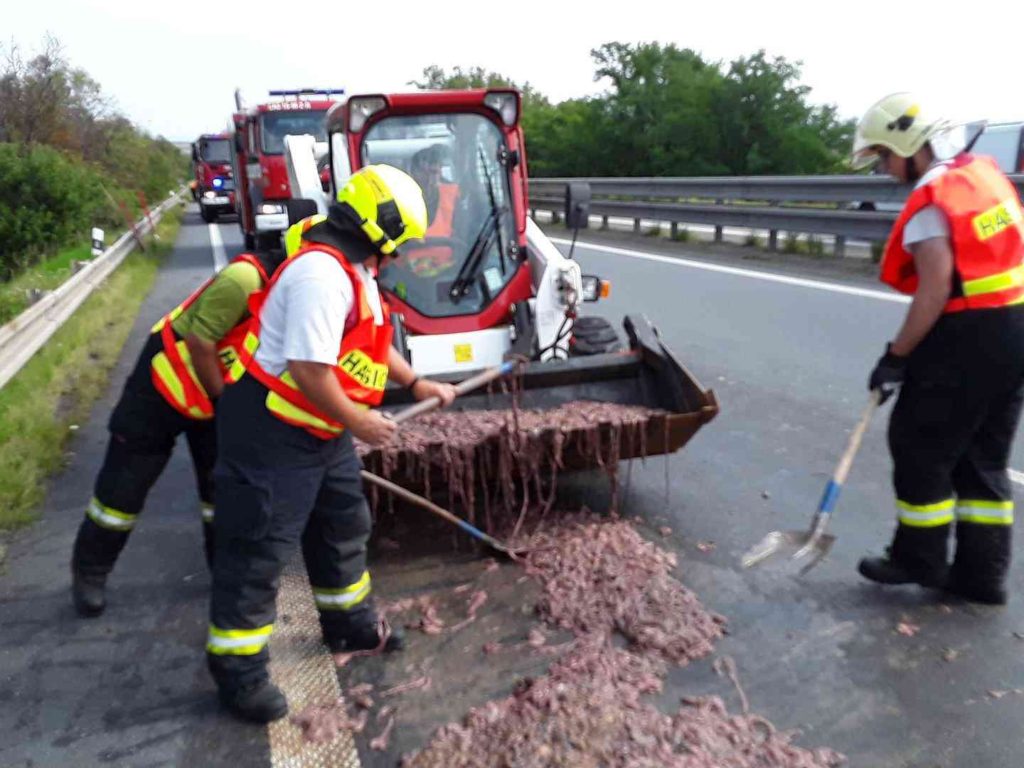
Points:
(294, 234)
(387, 204)
(897, 123)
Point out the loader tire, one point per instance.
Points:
(593, 336)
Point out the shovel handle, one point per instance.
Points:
(831, 495)
(474, 382)
(430, 506)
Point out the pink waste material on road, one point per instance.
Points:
(601, 579)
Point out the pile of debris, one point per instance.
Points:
(601, 579)
(519, 452)
(589, 711)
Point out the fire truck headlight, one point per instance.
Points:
(209, 194)
(269, 208)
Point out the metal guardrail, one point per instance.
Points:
(23, 336)
(739, 201)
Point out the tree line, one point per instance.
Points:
(68, 158)
(669, 111)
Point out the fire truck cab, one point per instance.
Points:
(214, 187)
(258, 157)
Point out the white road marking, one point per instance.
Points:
(220, 259)
(800, 282)
(818, 285)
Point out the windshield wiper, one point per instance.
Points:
(471, 264)
(470, 267)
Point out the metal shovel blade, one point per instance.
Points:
(795, 545)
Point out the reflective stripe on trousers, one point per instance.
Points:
(345, 598)
(984, 512)
(110, 518)
(207, 511)
(238, 642)
(925, 515)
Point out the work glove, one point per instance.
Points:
(888, 374)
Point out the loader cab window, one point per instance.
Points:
(471, 227)
(274, 126)
(215, 151)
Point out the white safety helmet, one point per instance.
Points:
(897, 123)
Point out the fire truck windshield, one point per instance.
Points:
(464, 261)
(215, 151)
(274, 126)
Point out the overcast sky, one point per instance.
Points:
(173, 66)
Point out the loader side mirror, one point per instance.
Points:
(594, 288)
(300, 208)
(577, 205)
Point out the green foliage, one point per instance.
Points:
(41, 406)
(66, 157)
(668, 111)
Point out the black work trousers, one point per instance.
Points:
(277, 486)
(143, 429)
(951, 435)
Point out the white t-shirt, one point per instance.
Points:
(930, 221)
(304, 315)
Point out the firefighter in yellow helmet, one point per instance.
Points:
(958, 358)
(172, 391)
(317, 359)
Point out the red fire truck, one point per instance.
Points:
(214, 188)
(261, 178)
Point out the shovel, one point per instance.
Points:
(815, 543)
(424, 406)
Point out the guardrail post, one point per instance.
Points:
(636, 225)
(773, 240)
(719, 229)
(839, 250)
(555, 218)
(604, 222)
(674, 230)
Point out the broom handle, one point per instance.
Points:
(484, 377)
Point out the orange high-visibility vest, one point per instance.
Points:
(172, 371)
(986, 231)
(433, 259)
(362, 368)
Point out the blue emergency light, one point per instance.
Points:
(218, 182)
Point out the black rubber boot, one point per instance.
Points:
(89, 567)
(358, 630)
(88, 591)
(916, 556)
(260, 702)
(982, 562)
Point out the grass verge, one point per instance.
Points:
(54, 392)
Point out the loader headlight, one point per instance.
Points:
(269, 208)
(505, 104)
(595, 288)
(361, 109)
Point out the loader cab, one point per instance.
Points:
(465, 149)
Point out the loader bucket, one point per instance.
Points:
(669, 405)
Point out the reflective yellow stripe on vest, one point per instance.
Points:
(110, 518)
(163, 368)
(170, 317)
(926, 515)
(294, 415)
(1003, 281)
(345, 598)
(249, 345)
(237, 642)
(985, 512)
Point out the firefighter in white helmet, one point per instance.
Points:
(316, 359)
(958, 358)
